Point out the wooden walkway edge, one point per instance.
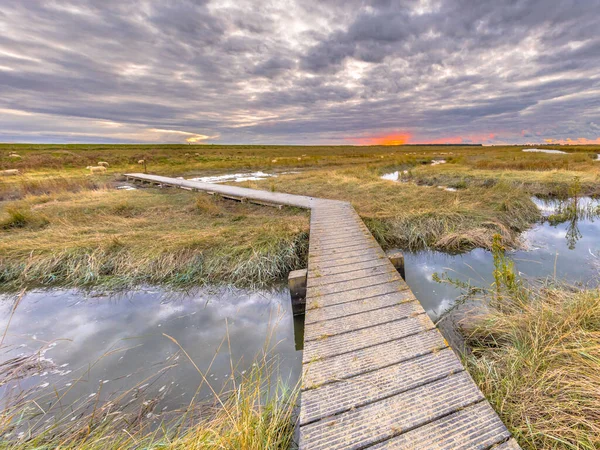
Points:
(376, 371)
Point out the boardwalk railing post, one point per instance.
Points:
(397, 260)
(297, 285)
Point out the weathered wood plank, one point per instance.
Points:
(343, 261)
(370, 387)
(320, 372)
(511, 444)
(384, 419)
(324, 280)
(351, 284)
(327, 347)
(339, 311)
(355, 322)
(477, 427)
(356, 294)
(369, 264)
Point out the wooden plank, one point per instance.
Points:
(271, 197)
(343, 261)
(320, 372)
(332, 312)
(327, 347)
(324, 280)
(324, 272)
(511, 444)
(356, 294)
(366, 319)
(370, 387)
(477, 427)
(350, 284)
(384, 419)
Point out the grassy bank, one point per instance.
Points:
(415, 217)
(535, 355)
(107, 238)
(61, 225)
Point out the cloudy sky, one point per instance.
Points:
(300, 71)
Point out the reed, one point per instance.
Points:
(535, 355)
(253, 410)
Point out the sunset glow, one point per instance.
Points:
(402, 138)
(300, 72)
(576, 141)
(388, 139)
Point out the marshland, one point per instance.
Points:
(166, 310)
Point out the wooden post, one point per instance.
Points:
(397, 259)
(297, 285)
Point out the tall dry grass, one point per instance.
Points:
(536, 357)
(118, 239)
(415, 217)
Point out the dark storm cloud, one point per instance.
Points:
(298, 72)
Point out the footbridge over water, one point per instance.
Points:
(376, 372)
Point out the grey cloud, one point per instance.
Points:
(299, 72)
(273, 66)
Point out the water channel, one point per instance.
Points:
(141, 344)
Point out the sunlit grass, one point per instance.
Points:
(90, 234)
(535, 355)
(119, 239)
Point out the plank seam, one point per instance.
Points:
(347, 264)
(360, 312)
(383, 263)
(414, 427)
(359, 328)
(323, 358)
(349, 279)
(348, 290)
(318, 248)
(420, 355)
(385, 397)
(356, 300)
(366, 244)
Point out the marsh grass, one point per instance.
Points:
(22, 217)
(255, 412)
(50, 184)
(535, 355)
(416, 217)
(109, 239)
(97, 236)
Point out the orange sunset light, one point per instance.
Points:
(388, 139)
(576, 141)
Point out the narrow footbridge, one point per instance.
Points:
(376, 371)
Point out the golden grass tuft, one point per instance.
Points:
(110, 239)
(256, 412)
(535, 354)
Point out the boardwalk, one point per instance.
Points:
(376, 372)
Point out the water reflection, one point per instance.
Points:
(103, 346)
(568, 249)
(570, 211)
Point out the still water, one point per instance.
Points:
(103, 347)
(569, 250)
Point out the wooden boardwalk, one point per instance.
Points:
(376, 371)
